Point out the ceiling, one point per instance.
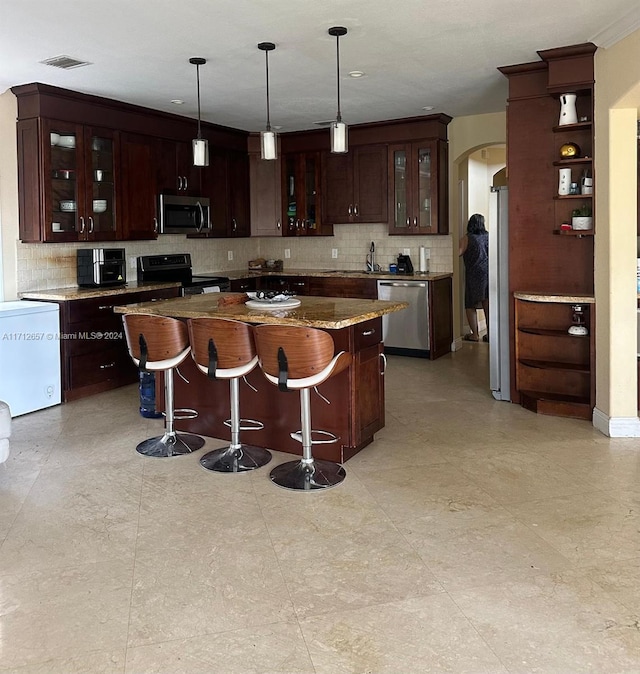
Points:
(414, 53)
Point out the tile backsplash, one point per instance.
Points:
(46, 266)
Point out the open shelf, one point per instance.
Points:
(555, 365)
(547, 332)
(572, 127)
(556, 404)
(574, 160)
(562, 197)
(578, 233)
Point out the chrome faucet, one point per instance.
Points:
(371, 258)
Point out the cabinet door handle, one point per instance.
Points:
(408, 222)
(350, 210)
(104, 307)
(108, 365)
(186, 182)
(415, 222)
(355, 210)
(235, 224)
(179, 183)
(155, 225)
(278, 225)
(384, 364)
(81, 224)
(90, 224)
(367, 333)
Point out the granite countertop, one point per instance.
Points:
(557, 299)
(75, 293)
(316, 312)
(329, 273)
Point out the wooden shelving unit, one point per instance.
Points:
(553, 372)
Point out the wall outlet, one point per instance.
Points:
(287, 253)
(230, 255)
(334, 253)
(132, 262)
(407, 251)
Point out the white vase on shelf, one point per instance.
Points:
(564, 181)
(568, 113)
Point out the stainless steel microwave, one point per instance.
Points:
(184, 215)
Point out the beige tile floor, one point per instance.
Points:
(472, 536)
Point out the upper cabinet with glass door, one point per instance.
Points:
(417, 188)
(75, 186)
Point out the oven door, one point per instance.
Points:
(184, 215)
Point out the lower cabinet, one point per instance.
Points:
(554, 369)
(93, 348)
(360, 288)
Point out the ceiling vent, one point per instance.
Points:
(328, 122)
(64, 62)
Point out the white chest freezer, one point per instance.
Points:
(29, 355)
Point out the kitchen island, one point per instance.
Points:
(356, 395)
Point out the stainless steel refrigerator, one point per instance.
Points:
(499, 361)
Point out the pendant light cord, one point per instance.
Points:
(198, 81)
(339, 116)
(266, 55)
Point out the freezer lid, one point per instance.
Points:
(25, 307)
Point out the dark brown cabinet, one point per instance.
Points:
(138, 196)
(176, 173)
(552, 371)
(301, 205)
(66, 178)
(94, 353)
(266, 196)
(226, 183)
(343, 287)
(354, 185)
(417, 188)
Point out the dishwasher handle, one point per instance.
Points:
(404, 284)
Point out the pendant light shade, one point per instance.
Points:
(200, 144)
(268, 138)
(339, 130)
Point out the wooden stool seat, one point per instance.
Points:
(299, 358)
(160, 344)
(225, 349)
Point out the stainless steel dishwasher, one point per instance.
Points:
(406, 332)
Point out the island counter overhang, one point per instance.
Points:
(356, 395)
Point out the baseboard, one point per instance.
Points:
(456, 345)
(616, 427)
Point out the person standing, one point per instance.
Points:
(474, 249)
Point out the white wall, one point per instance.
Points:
(8, 197)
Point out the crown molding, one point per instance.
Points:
(618, 30)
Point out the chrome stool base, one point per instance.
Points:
(166, 445)
(304, 475)
(235, 459)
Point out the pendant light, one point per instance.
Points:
(268, 140)
(200, 144)
(339, 131)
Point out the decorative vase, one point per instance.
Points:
(568, 113)
(564, 182)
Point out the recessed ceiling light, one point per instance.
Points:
(428, 107)
(356, 73)
(177, 101)
(276, 127)
(327, 122)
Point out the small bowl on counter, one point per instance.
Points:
(99, 205)
(68, 206)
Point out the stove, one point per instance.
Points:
(177, 267)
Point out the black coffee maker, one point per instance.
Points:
(404, 265)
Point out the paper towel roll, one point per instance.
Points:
(423, 263)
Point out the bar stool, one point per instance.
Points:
(299, 359)
(225, 349)
(160, 344)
